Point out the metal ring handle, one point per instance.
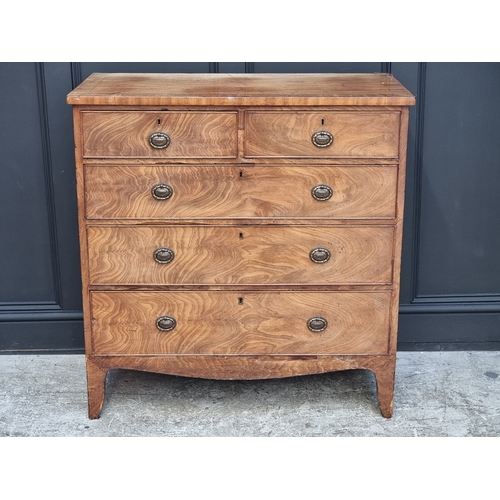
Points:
(164, 255)
(319, 255)
(162, 191)
(159, 140)
(322, 192)
(322, 139)
(166, 323)
(317, 324)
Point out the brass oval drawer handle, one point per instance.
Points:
(322, 139)
(162, 191)
(319, 255)
(317, 324)
(166, 323)
(164, 255)
(322, 192)
(159, 140)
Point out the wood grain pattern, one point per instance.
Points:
(288, 134)
(243, 367)
(192, 134)
(271, 161)
(240, 255)
(374, 89)
(96, 387)
(256, 367)
(240, 192)
(240, 323)
(398, 233)
(385, 377)
(82, 230)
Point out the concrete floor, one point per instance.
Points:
(437, 394)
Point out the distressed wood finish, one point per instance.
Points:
(236, 192)
(241, 222)
(355, 133)
(240, 255)
(192, 134)
(235, 323)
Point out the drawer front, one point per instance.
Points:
(225, 323)
(222, 255)
(290, 134)
(184, 192)
(191, 134)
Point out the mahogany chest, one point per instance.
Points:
(240, 226)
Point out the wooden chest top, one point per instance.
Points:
(374, 89)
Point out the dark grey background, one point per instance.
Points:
(450, 288)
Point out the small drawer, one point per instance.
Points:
(234, 192)
(239, 323)
(159, 134)
(341, 134)
(245, 255)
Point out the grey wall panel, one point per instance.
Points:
(62, 172)
(450, 274)
(409, 74)
(459, 240)
(26, 243)
(231, 67)
(40, 286)
(317, 67)
(54, 334)
(435, 331)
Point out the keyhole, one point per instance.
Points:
(240, 301)
(322, 121)
(159, 121)
(241, 236)
(241, 173)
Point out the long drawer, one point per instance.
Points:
(175, 134)
(343, 134)
(219, 255)
(183, 192)
(229, 323)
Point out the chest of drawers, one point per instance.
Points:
(240, 226)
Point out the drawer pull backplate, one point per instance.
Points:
(317, 324)
(166, 323)
(164, 255)
(162, 191)
(159, 140)
(322, 139)
(322, 192)
(319, 255)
